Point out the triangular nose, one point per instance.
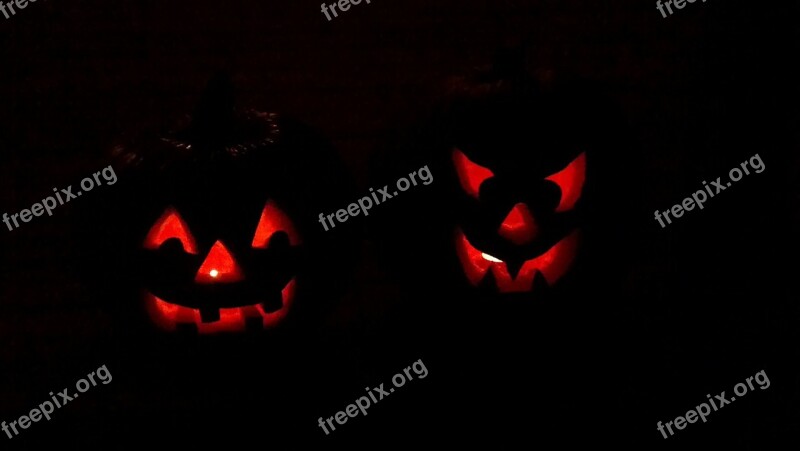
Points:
(219, 266)
(519, 227)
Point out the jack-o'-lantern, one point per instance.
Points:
(221, 218)
(220, 296)
(522, 173)
(534, 242)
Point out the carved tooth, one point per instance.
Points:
(274, 302)
(488, 284)
(209, 315)
(252, 322)
(540, 284)
(513, 266)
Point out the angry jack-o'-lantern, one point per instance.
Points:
(513, 210)
(522, 172)
(220, 218)
(515, 249)
(530, 252)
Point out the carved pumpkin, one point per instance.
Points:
(522, 173)
(528, 251)
(214, 300)
(220, 216)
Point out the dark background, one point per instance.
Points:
(707, 300)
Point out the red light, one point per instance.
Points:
(273, 318)
(167, 316)
(274, 220)
(552, 264)
(470, 175)
(170, 225)
(570, 180)
(519, 227)
(219, 266)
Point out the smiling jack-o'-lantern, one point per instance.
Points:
(214, 299)
(221, 211)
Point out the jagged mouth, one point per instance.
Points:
(545, 268)
(171, 317)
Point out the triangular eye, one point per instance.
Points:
(470, 174)
(570, 181)
(170, 225)
(274, 220)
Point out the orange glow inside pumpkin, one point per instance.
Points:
(471, 175)
(570, 180)
(519, 227)
(273, 220)
(170, 225)
(552, 264)
(219, 266)
(167, 316)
